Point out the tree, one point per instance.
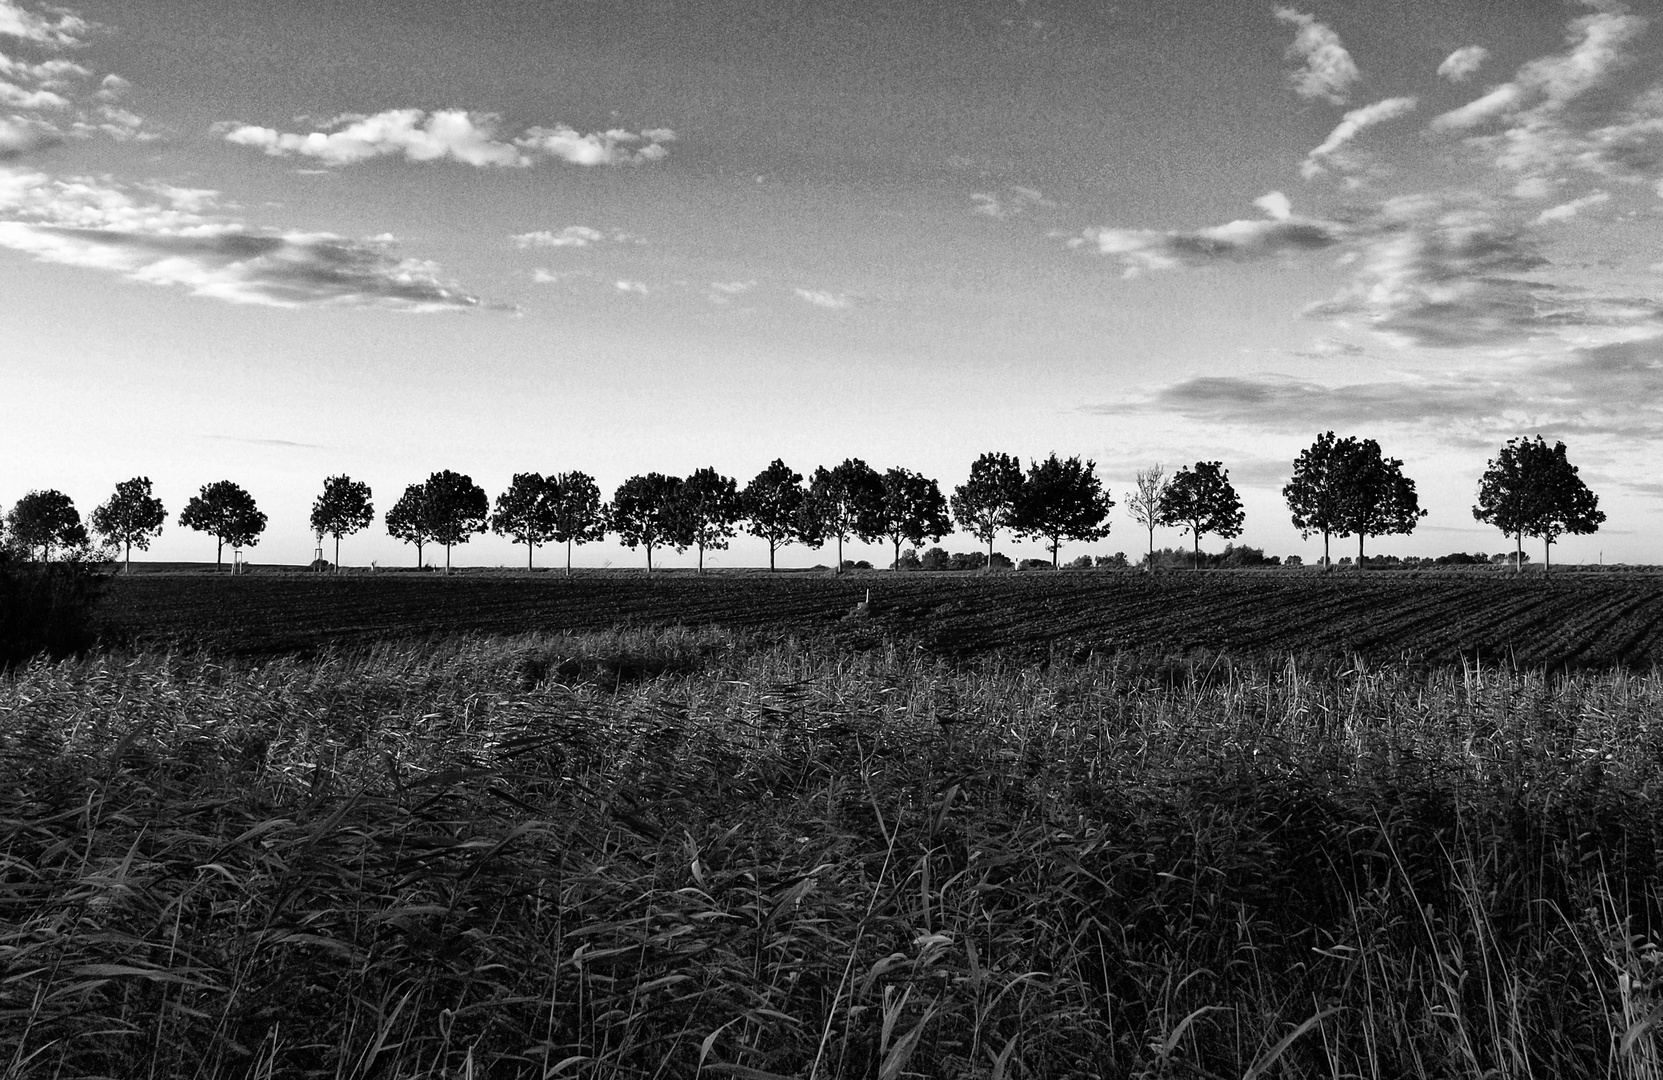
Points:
(846, 501)
(1532, 489)
(46, 518)
(229, 513)
(407, 520)
(132, 516)
(1063, 500)
(1379, 499)
(579, 514)
(911, 509)
(526, 512)
(711, 509)
(647, 512)
(454, 508)
(1145, 505)
(1317, 492)
(776, 506)
(1203, 500)
(343, 509)
(989, 500)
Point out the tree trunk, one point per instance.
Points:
(649, 558)
(447, 560)
(1056, 548)
(770, 554)
(127, 559)
(337, 553)
(1149, 566)
(1197, 534)
(568, 557)
(419, 546)
(1327, 563)
(897, 554)
(1359, 550)
(1518, 552)
(839, 553)
(219, 552)
(992, 534)
(701, 558)
(1547, 554)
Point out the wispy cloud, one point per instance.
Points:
(573, 236)
(1012, 202)
(1327, 71)
(451, 134)
(1350, 126)
(168, 239)
(724, 292)
(630, 287)
(53, 97)
(1460, 65)
(823, 299)
(54, 27)
(1567, 210)
(1141, 250)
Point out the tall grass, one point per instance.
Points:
(687, 854)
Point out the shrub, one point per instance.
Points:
(1293, 560)
(851, 564)
(1117, 561)
(45, 608)
(1000, 562)
(1034, 564)
(909, 560)
(1082, 563)
(933, 559)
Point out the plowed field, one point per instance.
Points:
(1575, 620)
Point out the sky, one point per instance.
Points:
(273, 243)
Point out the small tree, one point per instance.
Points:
(912, 509)
(1203, 500)
(710, 505)
(132, 517)
(407, 520)
(1319, 488)
(526, 512)
(454, 508)
(1379, 500)
(579, 513)
(647, 512)
(1063, 500)
(1532, 489)
(989, 500)
(776, 506)
(1145, 505)
(846, 502)
(229, 513)
(45, 519)
(343, 509)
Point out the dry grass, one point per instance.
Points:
(680, 854)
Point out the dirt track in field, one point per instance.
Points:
(1574, 619)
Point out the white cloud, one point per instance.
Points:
(1352, 125)
(1141, 250)
(20, 135)
(570, 236)
(542, 275)
(93, 223)
(1328, 72)
(1459, 65)
(19, 98)
(1566, 211)
(1014, 201)
(1533, 187)
(820, 298)
(56, 27)
(1275, 204)
(638, 288)
(471, 138)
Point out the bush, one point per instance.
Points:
(1117, 561)
(851, 564)
(1034, 564)
(1082, 563)
(1293, 560)
(933, 559)
(1000, 562)
(45, 608)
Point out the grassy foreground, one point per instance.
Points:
(675, 854)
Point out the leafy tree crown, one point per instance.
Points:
(1203, 500)
(226, 511)
(343, 509)
(990, 499)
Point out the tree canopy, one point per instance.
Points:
(1532, 489)
(1380, 499)
(777, 509)
(343, 509)
(647, 512)
(1317, 492)
(1145, 503)
(46, 519)
(911, 510)
(1062, 499)
(454, 508)
(228, 513)
(847, 501)
(407, 520)
(526, 512)
(990, 499)
(131, 518)
(711, 508)
(579, 513)
(1202, 500)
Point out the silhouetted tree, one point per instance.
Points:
(454, 508)
(526, 512)
(1532, 489)
(647, 512)
(846, 502)
(132, 517)
(777, 508)
(229, 513)
(911, 509)
(1145, 505)
(343, 509)
(1320, 486)
(1379, 499)
(46, 519)
(711, 507)
(989, 500)
(1202, 500)
(1063, 500)
(579, 513)
(407, 520)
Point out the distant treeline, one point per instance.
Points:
(1340, 487)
